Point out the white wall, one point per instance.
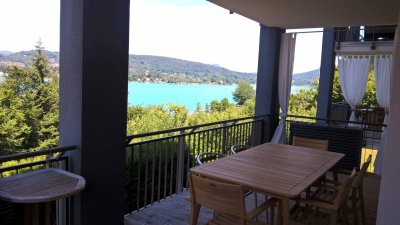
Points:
(389, 196)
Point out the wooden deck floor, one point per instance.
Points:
(176, 209)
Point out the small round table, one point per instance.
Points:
(39, 186)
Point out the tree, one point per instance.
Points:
(304, 103)
(29, 98)
(243, 92)
(198, 107)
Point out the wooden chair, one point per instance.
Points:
(331, 199)
(318, 144)
(239, 148)
(227, 200)
(208, 157)
(325, 194)
(357, 194)
(310, 143)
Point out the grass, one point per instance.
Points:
(365, 152)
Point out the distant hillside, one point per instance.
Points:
(147, 68)
(306, 78)
(157, 67)
(5, 52)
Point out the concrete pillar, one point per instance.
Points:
(267, 102)
(93, 104)
(326, 74)
(389, 195)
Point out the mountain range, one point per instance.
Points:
(147, 68)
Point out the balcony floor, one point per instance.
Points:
(176, 209)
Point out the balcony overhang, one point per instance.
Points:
(315, 13)
(364, 48)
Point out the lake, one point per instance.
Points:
(182, 94)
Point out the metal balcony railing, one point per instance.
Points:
(158, 162)
(371, 134)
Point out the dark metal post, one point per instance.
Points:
(180, 162)
(326, 75)
(267, 79)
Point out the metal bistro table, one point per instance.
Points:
(39, 186)
(283, 171)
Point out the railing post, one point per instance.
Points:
(224, 137)
(257, 131)
(180, 163)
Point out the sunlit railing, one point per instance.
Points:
(157, 167)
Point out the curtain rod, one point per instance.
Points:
(376, 29)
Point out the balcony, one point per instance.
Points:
(157, 164)
(161, 213)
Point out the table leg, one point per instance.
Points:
(47, 213)
(194, 213)
(35, 214)
(285, 211)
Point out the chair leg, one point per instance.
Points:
(335, 175)
(255, 203)
(345, 216)
(272, 219)
(266, 211)
(355, 209)
(362, 206)
(279, 216)
(334, 218)
(194, 214)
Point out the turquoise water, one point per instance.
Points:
(182, 94)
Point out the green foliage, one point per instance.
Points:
(243, 92)
(304, 103)
(198, 107)
(223, 105)
(158, 117)
(29, 107)
(170, 70)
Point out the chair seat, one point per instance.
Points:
(223, 219)
(308, 215)
(324, 194)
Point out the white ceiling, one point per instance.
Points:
(316, 13)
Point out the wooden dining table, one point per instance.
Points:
(278, 170)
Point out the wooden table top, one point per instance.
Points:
(40, 186)
(282, 170)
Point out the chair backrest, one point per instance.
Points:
(219, 196)
(344, 189)
(310, 143)
(208, 157)
(239, 148)
(360, 177)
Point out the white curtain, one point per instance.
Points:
(286, 59)
(353, 77)
(382, 69)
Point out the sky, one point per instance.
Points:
(194, 30)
